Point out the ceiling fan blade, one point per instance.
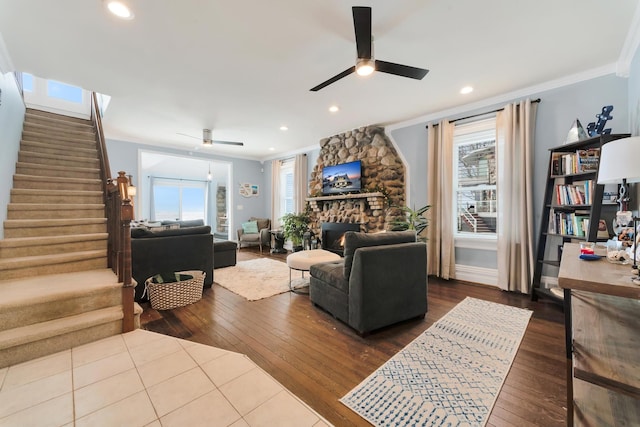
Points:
(190, 136)
(362, 27)
(334, 79)
(240, 144)
(401, 70)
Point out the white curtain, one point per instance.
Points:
(515, 129)
(300, 182)
(440, 244)
(275, 194)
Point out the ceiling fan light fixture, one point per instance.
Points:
(206, 137)
(119, 9)
(365, 66)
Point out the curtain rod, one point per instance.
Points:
(485, 113)
(178, 179)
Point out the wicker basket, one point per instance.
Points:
(165, 296)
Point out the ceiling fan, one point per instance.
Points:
(206, 139)
(365, 63)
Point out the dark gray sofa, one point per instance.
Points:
(381, 280)
(186, 248)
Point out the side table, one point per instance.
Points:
(278, 242)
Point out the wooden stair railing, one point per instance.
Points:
(119, 213)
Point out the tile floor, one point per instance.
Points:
(147, 379)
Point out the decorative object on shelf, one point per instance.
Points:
(619, 164)
(598, 128)
(294, 225)
(576, 133)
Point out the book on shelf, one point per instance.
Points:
(580, 161)
(578, 193)
(587, 160)
(568, 223)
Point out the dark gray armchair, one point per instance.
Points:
(381, 280)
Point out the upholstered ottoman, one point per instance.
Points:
(303, 260)
(224, 253)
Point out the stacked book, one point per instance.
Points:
(568, 223)
(580, 161)
(578, 193)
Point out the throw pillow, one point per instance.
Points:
(250, 227)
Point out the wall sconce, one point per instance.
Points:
(131, 189)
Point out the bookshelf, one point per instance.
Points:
(572, 207)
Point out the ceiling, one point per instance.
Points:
(244, 68)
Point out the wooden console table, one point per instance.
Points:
(602, 325)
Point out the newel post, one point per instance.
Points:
(126, 216)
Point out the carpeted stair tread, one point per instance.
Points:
(31, 195)
(51, 259)
(30, 333)
(66, 130)
(56, 159)
(50, 207)
(45, 245)
(19, 223)
(56, 119)
(57, 123)
(69, 143)
(53, 227)
(33, 135)
(34, 290)
(36, 169)
(43, 147)
(52, 182)
(49, 240)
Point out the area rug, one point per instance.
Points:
(450, 375)
(258, 278)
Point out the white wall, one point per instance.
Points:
(123, 155)
(11, 119)
(558, 108)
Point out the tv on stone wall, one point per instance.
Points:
(342, 178)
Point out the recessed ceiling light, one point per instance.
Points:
(271, 149)
(284, 128)
(465, 90)
(334, 109)
(120, 9)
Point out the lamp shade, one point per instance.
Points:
(620, 159)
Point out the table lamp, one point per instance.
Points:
(619, 165)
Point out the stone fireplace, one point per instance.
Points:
(332, 236)
(383, 181)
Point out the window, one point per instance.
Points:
(27, 82)
(475, 177)
(286, 187)
(175, 199)
(64, 91)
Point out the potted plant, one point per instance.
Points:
(294, 226)
(414, 219)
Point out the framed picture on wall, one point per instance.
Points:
(255, 190)
(245, 190)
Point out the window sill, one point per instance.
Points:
(482, 243)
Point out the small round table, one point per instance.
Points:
(303, 260)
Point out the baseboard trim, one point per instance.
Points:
(482, 275)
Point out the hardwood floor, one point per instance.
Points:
(320, 359)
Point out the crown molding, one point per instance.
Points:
(630, 46)
(508, 97)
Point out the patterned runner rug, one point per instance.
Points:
(258, 278)
(448, 376)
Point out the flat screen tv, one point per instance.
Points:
(342, 178)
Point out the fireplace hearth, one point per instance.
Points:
(333, 235)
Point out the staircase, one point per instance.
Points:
(56, 291)
(477, 226)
